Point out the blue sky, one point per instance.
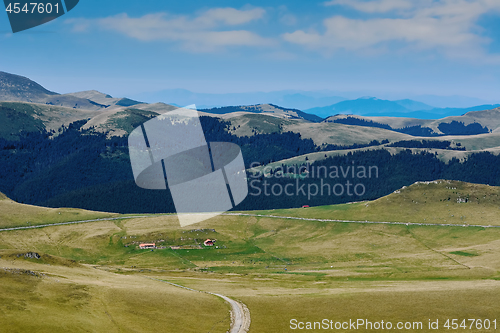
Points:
(388, 48)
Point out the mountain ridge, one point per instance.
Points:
(16, 88)
(269, 108)
(375, 107)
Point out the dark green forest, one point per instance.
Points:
(87, 169)
(426, 144)
(453, 128)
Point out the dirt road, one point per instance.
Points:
(240, 315)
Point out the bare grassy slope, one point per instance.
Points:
(16, 117)
(13, 214)
(488, 118)
(119, 120)
(442, 201)
(341, 134)
(333, 270)
(103, 99)
(15, 88)
(42, 298)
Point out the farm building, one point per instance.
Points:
(147, 246)
(209, 242)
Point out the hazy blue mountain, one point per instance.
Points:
(301, 101)
(454, 101)
(374, 107)
(293, 99)
(304, 100)
(361, 106)
(413, 105)
(436, 113)
(461, 111)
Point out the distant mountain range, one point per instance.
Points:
(292, 103)
(324, 103)
(118, 116)
(374, 107)
(287, 98)
(72, 150)
(303, 100)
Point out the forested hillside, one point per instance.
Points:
(87, 169)
(452, 128)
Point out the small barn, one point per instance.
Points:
(147, 246)
(209, 242)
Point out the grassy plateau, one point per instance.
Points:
(93, 277)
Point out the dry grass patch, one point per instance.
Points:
(13, 214)
(85, 299)
(439, 202)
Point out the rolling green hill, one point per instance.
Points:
(441, 201)
(94, 276)
(120, 121)
(104, 99)
(269, 109)
(40, 297)
(13, 214)
(250, 244)
(16, 117)
(442, 154)
(340, 134)
(486, 118)
(320, 133)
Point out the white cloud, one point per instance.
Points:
(230, 16)
(448, 26)
(288, 19)
(374, 6)
(205, 33)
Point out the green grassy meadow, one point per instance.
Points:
(13, 214)
(93, 277)
(83, 299)
(439, 202)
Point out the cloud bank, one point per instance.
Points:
(445, 27)
(209, 31)
(448, 26)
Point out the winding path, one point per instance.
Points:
(240, 315)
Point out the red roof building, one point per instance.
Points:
(209, 242)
